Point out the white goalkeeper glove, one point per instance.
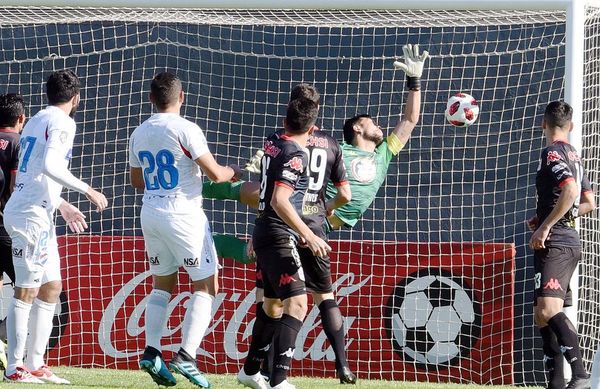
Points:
(412, 65)
(253, 165)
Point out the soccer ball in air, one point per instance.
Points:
(433, 320)
(462, 110)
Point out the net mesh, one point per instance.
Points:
(448, 185)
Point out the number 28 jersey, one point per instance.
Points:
(283, 164)
(165, 147)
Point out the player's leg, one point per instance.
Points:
(286, 276)
(554, 268)
(163, 268)
(199, 258)
(268, 313)
(42, 312)
(317, 271)
(28, 279)
(228, 246)
(6, 267)
(245, 192)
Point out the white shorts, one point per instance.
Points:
(34, 251)
(175, 240)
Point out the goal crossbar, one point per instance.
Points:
(315, 4)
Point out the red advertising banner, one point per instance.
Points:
(413, 311)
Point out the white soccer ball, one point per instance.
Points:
(462, 110)
(435, 321)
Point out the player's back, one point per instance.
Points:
(34, 191)
(166, 146)
(9, 158)
(283, 164)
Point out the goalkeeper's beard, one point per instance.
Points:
(375, 138)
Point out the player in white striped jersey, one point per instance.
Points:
(167, 155)
(46, 145)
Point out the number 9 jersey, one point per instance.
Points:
(165, 147)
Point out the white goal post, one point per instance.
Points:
(451, 213)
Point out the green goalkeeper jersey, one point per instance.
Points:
(366, 172)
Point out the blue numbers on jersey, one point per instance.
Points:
(161, 171)
(26, 144)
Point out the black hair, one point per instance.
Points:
(349, 127)
(61, 86)
(12, 106)
(301, 115)
(306, 91)
(165, 89)
(558, 114)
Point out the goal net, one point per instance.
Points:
(435, 281)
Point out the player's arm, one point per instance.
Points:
(280, 201)
(136, 177)
(587, 203)
(58, 146)
(413, 67)
(565, 201)
(13, 180)
(342, 196)
(72, 216)
(215, 172)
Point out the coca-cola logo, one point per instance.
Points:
(238, 327)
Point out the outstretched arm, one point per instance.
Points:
(413, 67)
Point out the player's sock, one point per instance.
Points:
(228, 246)
(333, 325)
(262, 335)
(40, 328)
(156, 317)
(222, 191)
(16, 325)
(285, 345)
(196, 321)
(553, 359)
(567, 338)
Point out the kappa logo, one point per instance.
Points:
(266, 348)
(190, 261)
(553, 284)
(289, 352)
(286, 279)
(553, 156)
(295, 164)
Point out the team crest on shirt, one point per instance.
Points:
(63, 137)
(4, 144)
(364, 169)
(295, 164)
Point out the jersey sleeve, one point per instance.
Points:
(290, 168)
(390, 147)
(194, 142)
(14, 158)
(338, 170)
(554, 162)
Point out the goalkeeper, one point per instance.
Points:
(367, 156)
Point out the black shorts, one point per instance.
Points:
(279, 267)
(317, 271)
(6, 262)
(554, 267)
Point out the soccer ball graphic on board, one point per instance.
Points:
(433, 319)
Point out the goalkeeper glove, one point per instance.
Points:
(412, 65)
(253, 165)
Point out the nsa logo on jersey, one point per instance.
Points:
(433, 319)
